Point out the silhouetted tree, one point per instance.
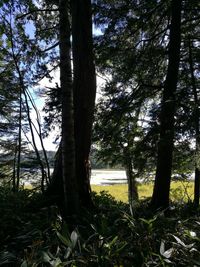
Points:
(160, 198)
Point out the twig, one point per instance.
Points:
(35, 11)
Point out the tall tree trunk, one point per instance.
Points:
(131, 177)
(160, 198)
(19, 142)
(197, 129)
(71, 196)
(14, 170)
(84, 92)
(84, 88)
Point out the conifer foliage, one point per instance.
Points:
(147, 120)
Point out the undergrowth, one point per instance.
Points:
(111, 236)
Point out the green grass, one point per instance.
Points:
(179, 190)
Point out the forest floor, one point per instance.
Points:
(110, 235)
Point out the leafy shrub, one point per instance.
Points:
(110, 236)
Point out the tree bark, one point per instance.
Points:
(14, 170)
(160, 198)
(71, 196)
(197, 129)
(19, 142)
(84, 87)
(132, 185)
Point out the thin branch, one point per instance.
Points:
(152, 37)
(49, 48)
(152, 86)
(103, 78)
(48, 72)
(35, 11)
(40, 131)
(23, 90)
(28, 140)
(38, 31)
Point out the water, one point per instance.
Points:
(108, 177)
(98, 177)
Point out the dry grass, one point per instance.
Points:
(181, 191)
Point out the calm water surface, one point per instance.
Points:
(106, 177)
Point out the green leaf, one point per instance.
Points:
(67, 242)
(112, 242)
(148, 222)
(165, 253)
(123, 245)
(46, 257)
(24, 264)
(196, 262)
(57, 263)
(6, 257)
(74, 238)
(182, 243)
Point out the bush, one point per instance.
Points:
(111, 236)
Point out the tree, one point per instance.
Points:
(160, 198)
(21, 56)
(84, 86)
(71, 197)
(133, 51)
(196, 123)
(84, 89)
(116, 133)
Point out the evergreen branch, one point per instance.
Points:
(47, 73)
(191, 20)
(35, 11)
(51, 47)
(152, 37)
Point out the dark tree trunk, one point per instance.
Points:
(131, 178)
(197, 130)
(19, 142)
(132, 185)
(55, 188)
(84, 88)
(71, 196)
(14, 170)
(84, 92)
(160, 198)
(196, 186)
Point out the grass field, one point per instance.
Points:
(181, 191)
